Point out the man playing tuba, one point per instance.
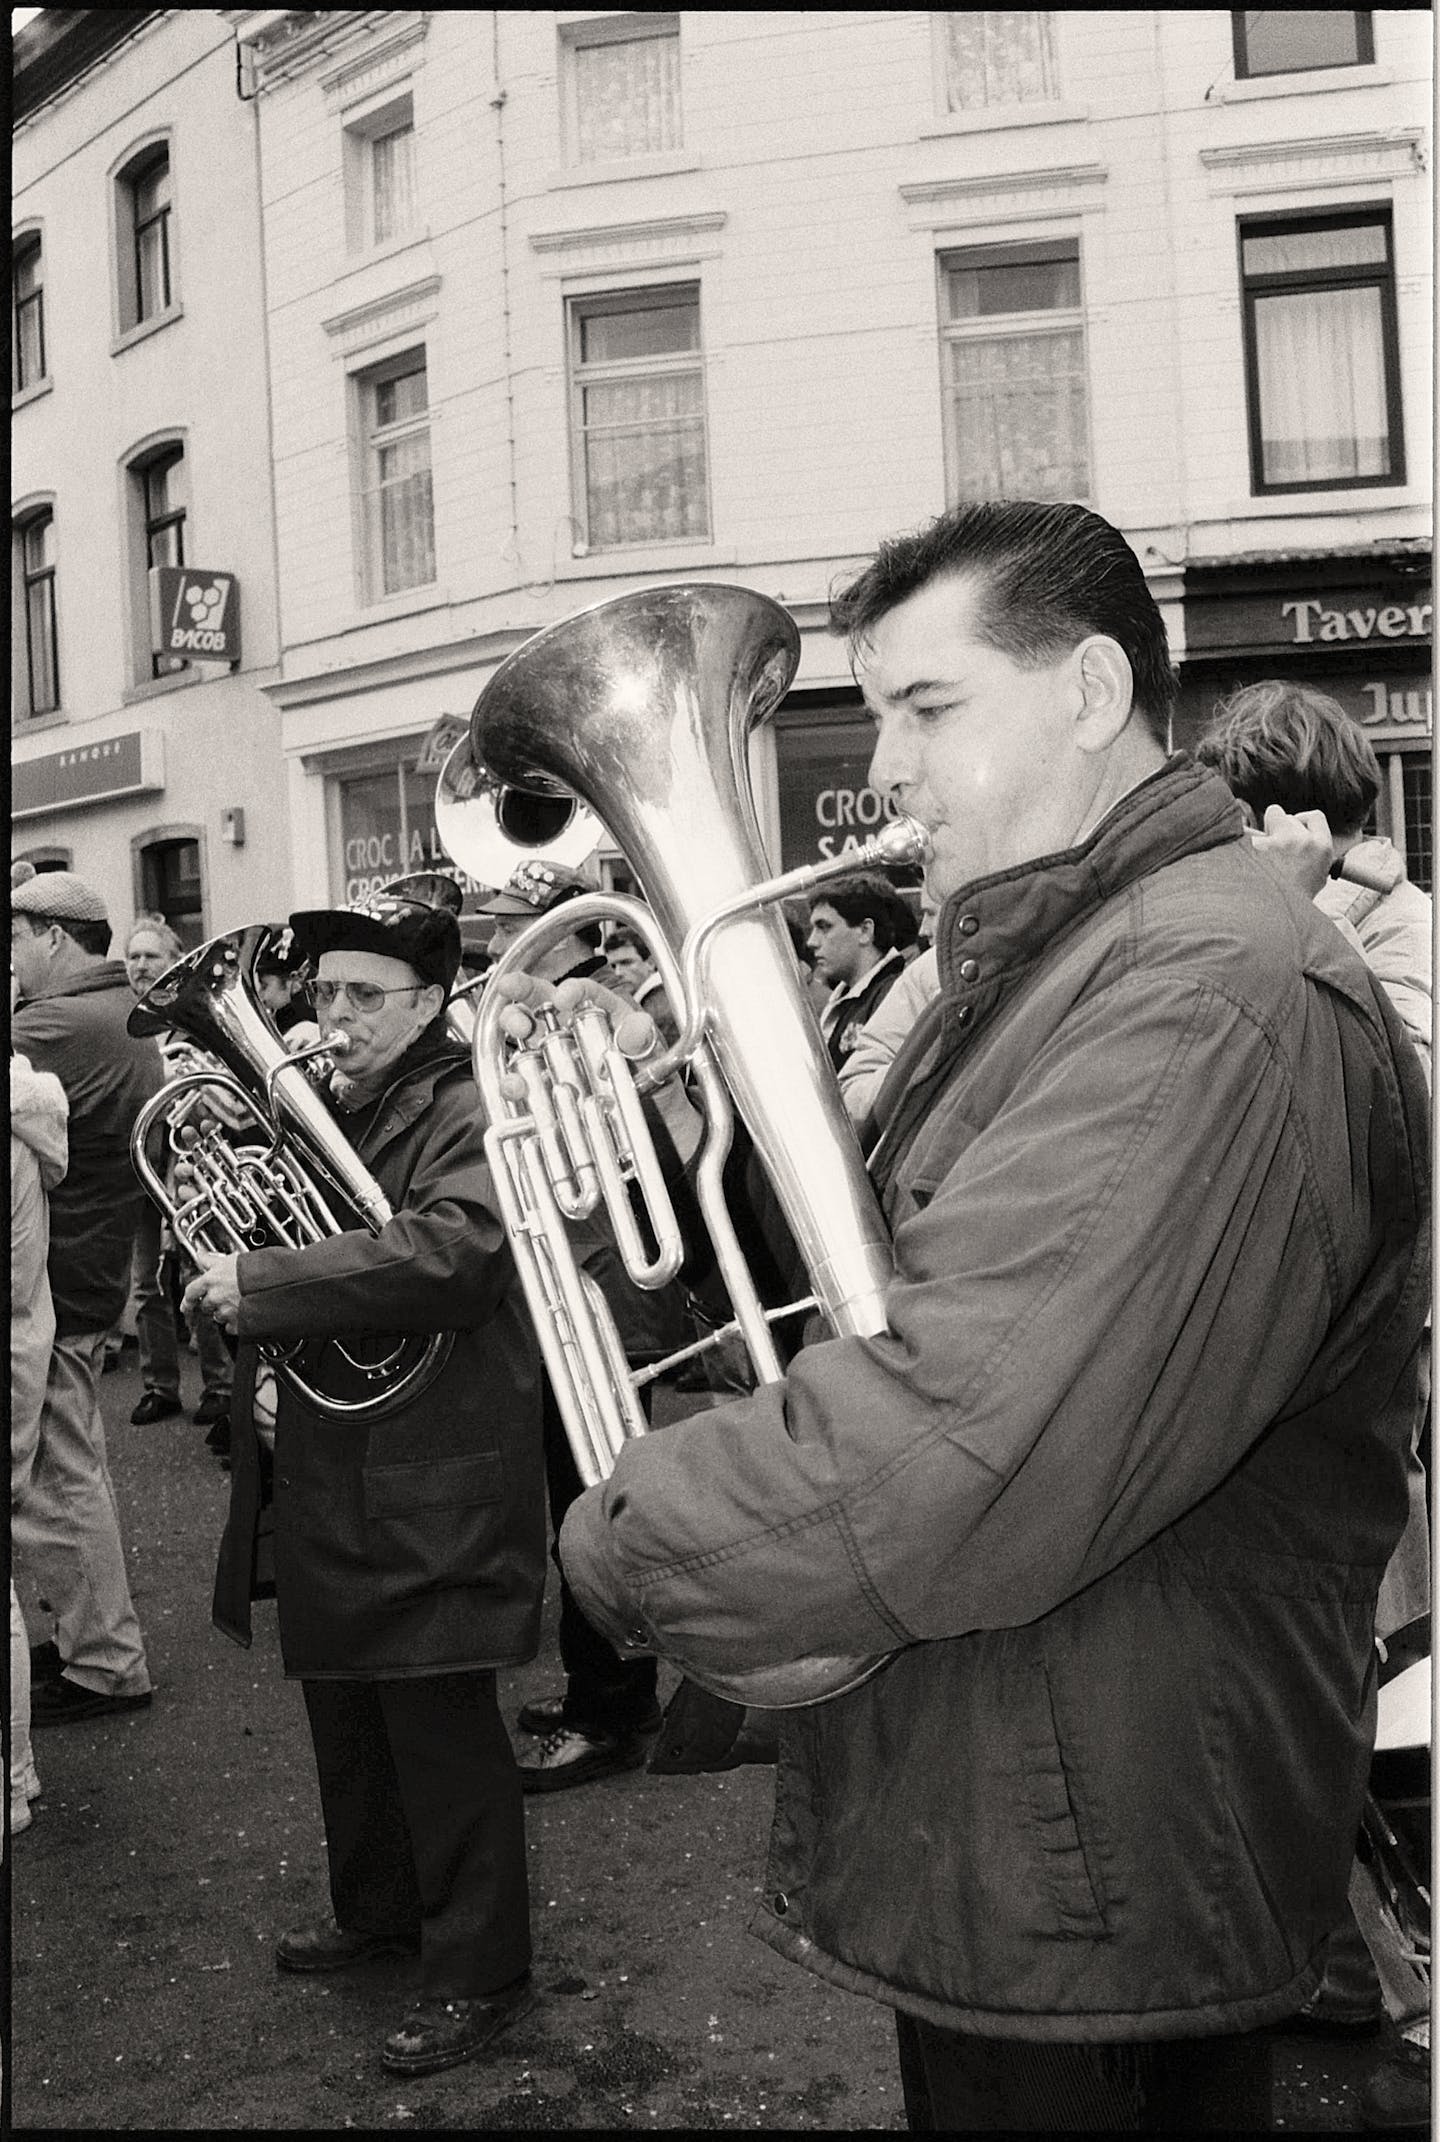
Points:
(409, 1553)
(1117, 1484)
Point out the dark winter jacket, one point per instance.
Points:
(1117, 1485)
(415, 1545)
(77, 1030)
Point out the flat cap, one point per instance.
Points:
(59, 896)
(534, 888)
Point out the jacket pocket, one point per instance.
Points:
(1059, 1850)
(432, 1527)
(433, 1484)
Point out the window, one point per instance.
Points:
(381, 176)
(1321, 355)
(145, 224)
(1419, 843)
(159, 500)
(399, 513)
(1000, 58)
(1288, 40)
(36, 642)
(638, 418)
(27, 353)
(621, 88)
(1013, 351)
(171, 885)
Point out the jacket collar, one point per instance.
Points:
(989, 930)
(411, 1090)
(106, 974)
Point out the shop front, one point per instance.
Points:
(825, 805)
(1356, 627)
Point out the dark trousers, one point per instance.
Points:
(961, 2085)
(425, 1823)
(604, 1693)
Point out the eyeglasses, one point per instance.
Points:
(364, 996)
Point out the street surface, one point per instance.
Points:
(172, 1846)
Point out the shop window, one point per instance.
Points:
(398, 508)
(381, 175)
(1419, 843)
(35, 643)
(1321, 352)
(620, 84)
(386, 829)
(1291, 40)
(43, 859)
(999, 58)
(145, 234)
(638, 419)
(27, 346)
(1013, 354)
(171, 885)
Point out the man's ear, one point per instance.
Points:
(1107, 692)
(866, 928)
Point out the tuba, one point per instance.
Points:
(296, 1181)
(642, 707)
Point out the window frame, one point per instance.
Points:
(649, 297)
(1365, 275)
(22, 528)
(613, 30)
(1364, 48)
(361, 130)
(25, 246)
(371, 438)
(144, 526)
(1001, 326)
(138, 164)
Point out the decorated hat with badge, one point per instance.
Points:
(534, 887)
(424, 937)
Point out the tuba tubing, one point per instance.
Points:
(641, 707)
(306, 1182)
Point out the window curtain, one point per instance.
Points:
(627, 98)
(1018, 416)
(406, 514)
(1002, 57)
(1320, 356)
(394, 169)
(645, 459)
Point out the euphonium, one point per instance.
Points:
(297, 1183)
(642, 707)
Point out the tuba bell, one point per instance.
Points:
(295, 1181)
(642, 707)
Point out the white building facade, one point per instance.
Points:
(564, 303)
(140, 438)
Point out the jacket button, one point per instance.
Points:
(782, 1903)
(637, 1640)
(965, 1014)
(969, 968)
(969, 924)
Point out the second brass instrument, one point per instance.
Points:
(642, 708)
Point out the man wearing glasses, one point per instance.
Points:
(409, 1553)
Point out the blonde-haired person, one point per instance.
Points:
(150, 948)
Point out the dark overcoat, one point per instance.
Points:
(415, 1545)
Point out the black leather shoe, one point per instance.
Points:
(328, 1947)
(154, 1406)
(548, 1716)
(217, 1436)
(440, 2034)
(570, 1758)
(214, 1406)
(67, 1703)
(1396, 2094)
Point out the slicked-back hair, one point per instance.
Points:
(1289, 744)
(865, 897)
(1048, 576)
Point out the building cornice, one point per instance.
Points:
(1315, 160)
(651, 231)
(1003, 196)
(285, 42)
(395, 313)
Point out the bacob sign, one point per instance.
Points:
(194, 614)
